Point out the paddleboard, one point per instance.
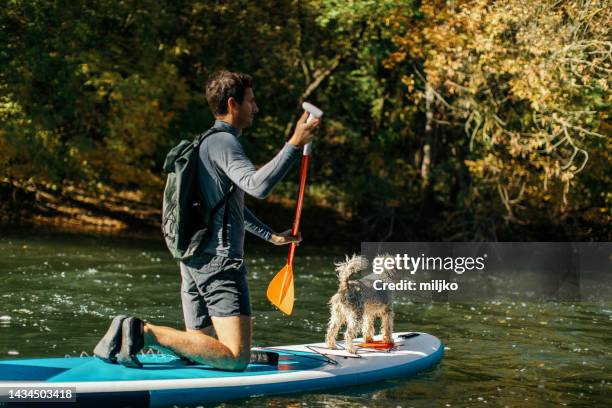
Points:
(166, 380)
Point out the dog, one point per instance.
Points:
(357, 304)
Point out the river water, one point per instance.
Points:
(58, 292)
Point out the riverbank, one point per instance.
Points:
(327, 218)
(130, 213)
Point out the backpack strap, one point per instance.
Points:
(200, 138)
(225, 199)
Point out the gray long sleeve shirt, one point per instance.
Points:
(223, 161)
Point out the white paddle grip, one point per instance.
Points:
(313, 112)
(307, 149)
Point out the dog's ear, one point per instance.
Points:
(338, 265)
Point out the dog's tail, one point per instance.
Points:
(349, 267)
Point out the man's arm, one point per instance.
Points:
(256, 227)
(229, 155)
(258, 183)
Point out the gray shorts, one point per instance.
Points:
(213, 286)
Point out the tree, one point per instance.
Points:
(529, 82)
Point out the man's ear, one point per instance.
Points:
(232, 104)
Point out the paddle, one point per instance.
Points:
(280, 290)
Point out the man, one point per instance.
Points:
(214, 290)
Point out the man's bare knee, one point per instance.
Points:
(235, 333)
(238, 364)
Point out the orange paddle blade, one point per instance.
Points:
(280, 290)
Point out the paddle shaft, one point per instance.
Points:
(298, 210)
(280, 289)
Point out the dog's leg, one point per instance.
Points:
(352, 329)
(387, 325)
(333, 327)
(367, 325)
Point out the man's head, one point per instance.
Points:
(230, 97)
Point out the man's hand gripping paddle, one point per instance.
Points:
(280, 290)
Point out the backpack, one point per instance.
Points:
(185, 216)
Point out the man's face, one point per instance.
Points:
(247, 110)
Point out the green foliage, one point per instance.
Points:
(93, 94)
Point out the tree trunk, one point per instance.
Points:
(426, 155)
(427, 151)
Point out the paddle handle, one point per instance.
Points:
(298, 210)
(313, 113)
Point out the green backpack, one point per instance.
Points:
(185, 216)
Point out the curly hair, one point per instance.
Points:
(222, 85)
